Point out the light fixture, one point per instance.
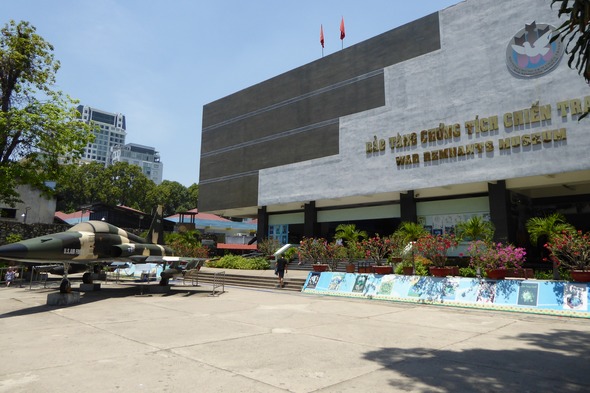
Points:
(25, 214)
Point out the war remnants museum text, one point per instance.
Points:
(476, 130)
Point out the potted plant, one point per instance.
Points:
(312, 249)
(572, 250)
(350, 236)
(495, 258)
(332, 254)
(478, 233)
(476, 228)
(543, 229)
(409, 232)
(434, 248)
(268, 247)
(377, 248)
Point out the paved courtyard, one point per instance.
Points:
(119, 339)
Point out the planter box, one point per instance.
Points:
(441, 271)
(408, 270)
(320, 268)
(580, 275)
(364, 267)
(496, 274)
(520, 273)
(382, 269)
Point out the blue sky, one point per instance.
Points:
(159, 62)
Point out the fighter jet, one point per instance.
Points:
(94, 242)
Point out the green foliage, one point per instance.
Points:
(13, 238)
(476, 228)
(577, 27)
(467, 272)
(187, 244)
(420, 269)
(193, 192)
(173, 196)
(349, 234)
(239, 262)
(268, 246)
(410, 231)
(118, 184)
(290, 253)
(39, 126)
(546, 228)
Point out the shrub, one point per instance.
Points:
(239, 262)
(467, 272)
(13, 238)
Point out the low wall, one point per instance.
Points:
(27, 231)
(531, 296)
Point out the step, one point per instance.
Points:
(291, 284)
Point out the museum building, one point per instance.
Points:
(468, 111)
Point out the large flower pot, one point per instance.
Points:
(496, 274)
(441, 271)
(320, 268)
(408, 270)
(580, 275)
(350, 268)
(520, 273)
(365, 268)
(383, 269)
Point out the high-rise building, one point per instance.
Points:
(111, 132)
(145, 157)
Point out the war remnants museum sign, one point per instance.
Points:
(446, 143)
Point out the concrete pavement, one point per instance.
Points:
(246, 340)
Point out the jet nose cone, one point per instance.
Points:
(13, 250)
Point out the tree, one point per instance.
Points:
(546, 229)
(118, 184)
(39, 126)
(476, 228)
(193, 192)
(349, 234)
(125, 184)
(577, 27)
(173, 196)
(409, 232)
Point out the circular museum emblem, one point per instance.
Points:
(531, 53)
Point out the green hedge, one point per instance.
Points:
(239, 262)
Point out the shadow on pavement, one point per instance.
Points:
(555, 361)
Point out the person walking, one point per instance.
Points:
(281, 269)
(9, 276)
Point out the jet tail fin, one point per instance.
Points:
(156, 232)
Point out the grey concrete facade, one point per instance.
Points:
(294, 117)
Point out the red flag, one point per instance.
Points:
(342, 32)
(322, 35)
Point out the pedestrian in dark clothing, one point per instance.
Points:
(281, 269)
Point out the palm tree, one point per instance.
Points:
(476, 228)
(546, 228)
(409, 232)
(350, 236)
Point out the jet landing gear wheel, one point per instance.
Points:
(65, 286)
(87, 278)
(165, 278)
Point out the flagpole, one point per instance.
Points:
(322, 38)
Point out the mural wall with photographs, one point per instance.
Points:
(534, 296)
